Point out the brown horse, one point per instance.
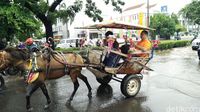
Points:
(21, 59)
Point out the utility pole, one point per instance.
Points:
(147, 13)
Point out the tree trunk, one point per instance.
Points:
(67, 29)
(49, 33)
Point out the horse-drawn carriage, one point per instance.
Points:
(130, 69)
(52, 65)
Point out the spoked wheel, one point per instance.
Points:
(130, 85)
(2, 82)
(104, 80)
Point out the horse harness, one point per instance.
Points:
(48, 53)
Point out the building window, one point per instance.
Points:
(93, 35)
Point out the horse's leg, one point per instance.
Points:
(82, 77)
(73, 76)
(30, 89)
(45, 92)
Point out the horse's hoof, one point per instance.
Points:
(68, 103)
(48, 101)
(90, 95)
(30, 109)
(46, 106)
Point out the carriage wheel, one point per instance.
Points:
(2, 82)
(130, 85)
(104, 80)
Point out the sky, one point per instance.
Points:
(107, 10)
(173, 5)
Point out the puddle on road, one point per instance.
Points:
(178, 69)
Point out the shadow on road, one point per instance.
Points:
(104, 92)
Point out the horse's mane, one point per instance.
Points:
(20, 54)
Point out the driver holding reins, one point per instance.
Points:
(30, 45)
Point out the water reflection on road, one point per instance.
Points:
(175, 81)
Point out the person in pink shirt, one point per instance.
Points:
(111, 58)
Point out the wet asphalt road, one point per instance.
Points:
(173, 86)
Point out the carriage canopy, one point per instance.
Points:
(115, 25)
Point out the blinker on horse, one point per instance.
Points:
(58, 66)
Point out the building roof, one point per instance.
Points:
(138, 6)
(115, 25)
(134, 7)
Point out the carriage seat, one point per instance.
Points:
(113, 70)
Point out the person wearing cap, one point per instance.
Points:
(30, 45)
(111, 41)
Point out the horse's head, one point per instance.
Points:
(12, 57)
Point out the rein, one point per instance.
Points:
(71, 65)
(61, 55)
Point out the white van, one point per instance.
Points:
(67, 43)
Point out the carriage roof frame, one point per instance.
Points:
(115, 25)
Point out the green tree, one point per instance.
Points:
(191, 12)
(175, 18)
(164, 25)
(17, 22)
(48, 13)
(178, 26)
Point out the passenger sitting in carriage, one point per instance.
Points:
(144, 45)
(110, 59)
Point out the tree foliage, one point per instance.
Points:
(178, 26)
(164, 25)
(192, 12)
(48, 12)
(17, 22)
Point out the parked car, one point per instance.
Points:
(196, 43)
(67, 43)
